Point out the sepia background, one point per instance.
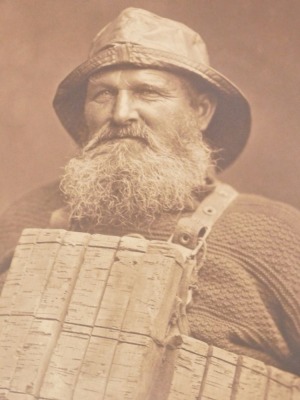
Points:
(253, 42)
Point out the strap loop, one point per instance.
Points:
(192, 231)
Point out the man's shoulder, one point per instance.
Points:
(33, 210)
(258, 206)
(40, 199)
(254, 218)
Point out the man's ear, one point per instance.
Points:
(206, 106)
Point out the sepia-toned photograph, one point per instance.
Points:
(149, 200)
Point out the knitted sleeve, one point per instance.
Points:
(266, 237)
(281, 260)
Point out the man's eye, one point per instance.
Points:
(104, 95)
(148, 93)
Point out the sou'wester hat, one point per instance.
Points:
(140, 38)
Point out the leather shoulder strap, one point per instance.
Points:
(191, 231)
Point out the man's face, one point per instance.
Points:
(145, 154)
(158, 99)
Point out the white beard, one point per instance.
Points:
(126, 177)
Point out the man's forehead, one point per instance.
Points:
(135, 76)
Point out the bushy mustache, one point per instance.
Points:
(137, 131)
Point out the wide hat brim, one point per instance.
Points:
(228, 130)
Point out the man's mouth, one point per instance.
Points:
(110, 136)
(125, 137)
(100, 144)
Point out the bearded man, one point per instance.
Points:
(154, 122)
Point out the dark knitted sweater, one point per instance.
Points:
(247, 299)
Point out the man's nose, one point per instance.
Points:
(124, 111)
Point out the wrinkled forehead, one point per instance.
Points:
(135, 74)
